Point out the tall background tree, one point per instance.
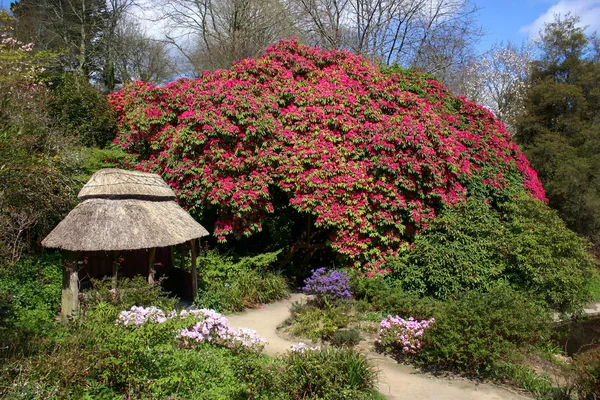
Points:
(559, 127)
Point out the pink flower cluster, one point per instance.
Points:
(302, 347)
(396, 331)
(211, 327)
(215, 328)
(137, 316)
(370, 157)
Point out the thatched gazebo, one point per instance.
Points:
(129, 216)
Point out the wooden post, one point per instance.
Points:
(69, 306)
(115, 270)
(151, 270)
(182, 251)
(194, 273)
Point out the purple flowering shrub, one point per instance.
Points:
(328, 285)
(201, 325)
(396, 332)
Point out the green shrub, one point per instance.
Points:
(128, 292)
(584, 374)
(386, 296)
(317, 323)
(83, 111)
(475, 247)
(593, 285)
(544, 256)
(331, 373)
(479, 334)
(228, 286)
(30, 293)
(346, 337)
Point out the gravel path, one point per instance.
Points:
(396, 381)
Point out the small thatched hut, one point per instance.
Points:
(128, 216)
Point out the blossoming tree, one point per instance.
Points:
(371, 158)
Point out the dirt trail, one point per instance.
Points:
(396, 381)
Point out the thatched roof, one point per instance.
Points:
(103, 224)
(112, 183)
(124, 210)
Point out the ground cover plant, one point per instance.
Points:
(363, 159)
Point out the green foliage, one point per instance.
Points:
(30, 291)
(227, 286)
(544, 257)
(475, 247)
(584, 374)
(83, 110)
(593, 285)
(331, 373)
(312, 322)
(128, 292)
(94, 159)
(387, 296)
(479, 334)
(346, 337)
(558, 128)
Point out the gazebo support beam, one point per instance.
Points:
(69, 306)
(151, 270)
(194, 273)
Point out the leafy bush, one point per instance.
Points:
(479, 334)
(346, 337)
(244, 290)
(228, 286)
(83, 110)
(330, 373)
(385, 295)
(128, 292)
(30, 290)
(366, 158)
(312, 322)
(476, 247)
(584, 374)
(328, 286)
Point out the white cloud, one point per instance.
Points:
(588, 10)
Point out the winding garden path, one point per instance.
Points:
(396, 381)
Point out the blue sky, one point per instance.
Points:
(518, 20)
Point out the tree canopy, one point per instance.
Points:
(559, 127)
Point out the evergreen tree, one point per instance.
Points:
(559, 128)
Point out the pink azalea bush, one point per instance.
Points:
(206, 326)
(370, 157)
(399, 333)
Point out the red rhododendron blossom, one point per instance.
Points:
(372, 157)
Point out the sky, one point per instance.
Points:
(519, 20)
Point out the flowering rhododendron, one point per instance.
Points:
(398, 332)
(215, 328)
(369, 157)
(211, 326)
(328, 285)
